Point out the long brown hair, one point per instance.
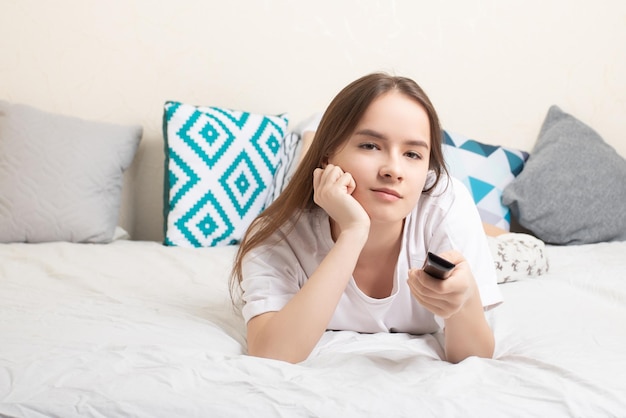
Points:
(337, 125)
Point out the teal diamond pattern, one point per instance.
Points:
(238, 118)
(176, 162)
(215, 225)
(267, 141)
(207, 225)
(207, 136)
(220, 164)
(243, 183)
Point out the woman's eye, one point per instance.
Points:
(368, 145)
(414, 155)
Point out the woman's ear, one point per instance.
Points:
(324, 161)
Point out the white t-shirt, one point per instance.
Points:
(444, 220)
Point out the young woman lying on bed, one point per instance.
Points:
(343, 247)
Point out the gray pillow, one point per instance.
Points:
(60, 177)
(573, 187)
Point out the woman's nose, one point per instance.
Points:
(391, 168)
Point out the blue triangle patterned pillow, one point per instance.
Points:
(485, 170)
(219, 166)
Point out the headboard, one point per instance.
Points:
(492, 68)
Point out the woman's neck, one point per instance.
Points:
(376, 265)
(383, 237)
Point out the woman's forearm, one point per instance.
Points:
(292, 333)
(467, 333)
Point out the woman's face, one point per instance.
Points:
(388, 156)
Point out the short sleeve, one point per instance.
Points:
(271, 277)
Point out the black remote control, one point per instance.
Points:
(438, 267)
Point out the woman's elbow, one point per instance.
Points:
(457, 356)
(282, 355)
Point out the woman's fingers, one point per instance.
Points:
(331, 173)
(434, 304)
(442, 297)
(333, 190)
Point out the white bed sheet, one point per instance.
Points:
(138, 329)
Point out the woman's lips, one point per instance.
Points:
(387, 194)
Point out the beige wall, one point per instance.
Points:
(491, 67)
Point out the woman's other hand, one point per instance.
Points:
(333, 190)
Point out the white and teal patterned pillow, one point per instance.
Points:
(485, 170)
(219, 165)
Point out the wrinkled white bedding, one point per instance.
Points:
(138, 329)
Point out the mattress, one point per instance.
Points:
(138, 329)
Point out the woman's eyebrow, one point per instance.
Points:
(378, 135)
(369, 132)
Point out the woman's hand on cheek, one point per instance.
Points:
(444, 298)
(333, 190)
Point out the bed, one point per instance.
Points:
(93, 323)
(139, 329)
